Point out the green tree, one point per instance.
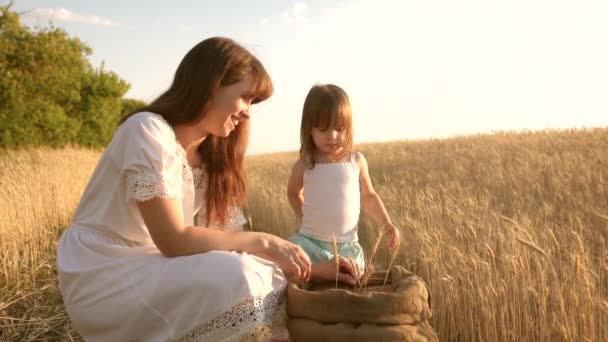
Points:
(49, 92)
(130, 105)
(101, 106)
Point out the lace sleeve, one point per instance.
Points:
(149, 157)
(144, 186)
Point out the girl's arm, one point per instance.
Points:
(173, 238)
(372, 204)
(295, 187)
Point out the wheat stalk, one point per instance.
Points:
(356, 270)
(532, 246)
(334, 247)
(369, 265)
(392, 260)
(250, 222)
(368, 273)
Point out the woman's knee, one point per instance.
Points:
(229, 268)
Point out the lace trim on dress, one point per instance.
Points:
(233, 223)
(234, 216)
(251, 320)
(148, 185)
(198, 176)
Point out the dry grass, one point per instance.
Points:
(38, 192)
(510, 231)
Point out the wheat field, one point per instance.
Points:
(509, 230)
(39, 189)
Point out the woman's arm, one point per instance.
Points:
(295, 187)
(166, 226)
(372, 204)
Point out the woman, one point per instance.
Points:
(132, 265)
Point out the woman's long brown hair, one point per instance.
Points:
(211, 64)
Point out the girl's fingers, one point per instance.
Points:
(393, 239)
(346, 266)
(346, 278)
(356, 271)
(355, 268)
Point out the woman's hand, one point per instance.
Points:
(290, 257)
(326, 271)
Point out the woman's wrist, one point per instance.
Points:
(262, 243)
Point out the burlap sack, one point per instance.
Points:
(304, 330)
(399, 312)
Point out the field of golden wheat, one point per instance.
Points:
(509, 230)
(39, 189)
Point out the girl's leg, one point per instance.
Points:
(317, 251)
(355, 251)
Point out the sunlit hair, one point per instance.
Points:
(221, 155)
(211, 64)
(326, 106)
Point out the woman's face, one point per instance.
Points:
(228, 108)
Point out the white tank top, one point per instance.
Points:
(331, 201)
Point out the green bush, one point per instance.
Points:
(49, 92)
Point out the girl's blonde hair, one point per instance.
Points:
(326, 105)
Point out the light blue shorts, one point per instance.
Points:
(318, 250)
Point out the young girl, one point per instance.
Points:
(330, 181)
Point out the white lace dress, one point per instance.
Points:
(115, 283)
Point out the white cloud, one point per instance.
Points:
(296, 14)
(299, 8)
(62, 14)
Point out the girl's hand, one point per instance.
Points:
(292, 259)
(326, 271)
(392, 235)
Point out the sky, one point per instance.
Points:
(413, 69)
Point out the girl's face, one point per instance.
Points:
(227, 108)
(329, 141)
